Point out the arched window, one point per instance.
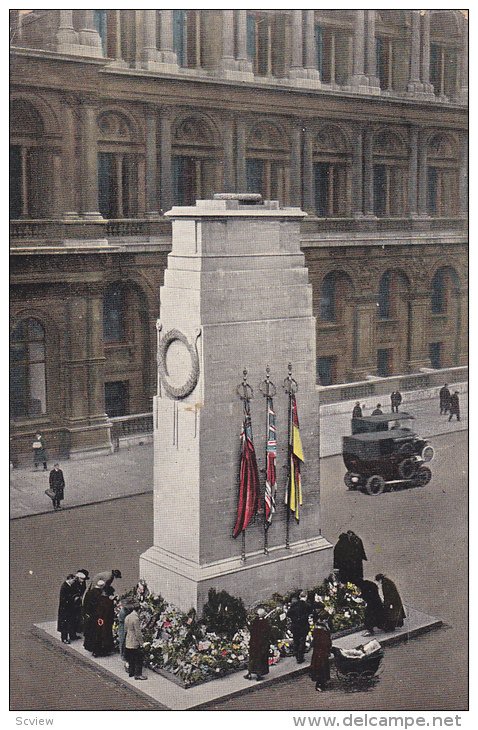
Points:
(442, 176)
(327, 299)
(196, 160)
(30, 194)
(117, 167)
(267, 152)
(114, 313)
(330, 173)
(27, 370)
(389, 175)
(384, 296)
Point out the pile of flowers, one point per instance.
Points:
(181, 644)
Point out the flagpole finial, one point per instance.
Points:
(267, 387)
(290, 385)
(244, 390)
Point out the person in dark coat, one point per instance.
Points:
(374, 614)
(395, 399)
(357, 411)
(259, 646)
(377, 411)
(90, 604)
(454, 407)
(319, 663)
(103, 643)
(444, 395)
(357, 555)
(66, 623)
(298, 614)
(343, 558)
(57, 484)
(81, 577)
(39, 451)
(393, 611)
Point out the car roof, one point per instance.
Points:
(386, 417)
(395, 434)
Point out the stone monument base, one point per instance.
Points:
(186, 584)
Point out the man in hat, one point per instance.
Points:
(134, 643)
(57, 485)
(454, 408)
(107, 576)
(81, 576)
(357, 411)
(66, 609)
(444, 395)
(259, 646)
(378, 410)
(395, 399)
(298, 614)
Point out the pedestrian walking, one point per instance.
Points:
(444, 395)
(357, 411)
(66, 607)
(320, 661)
(133, 644)
(374, 614)
(39, 451)
(259, 645)
(298, 614)
(395, 399)
(57, 485)
(454, 407)
(393, 611)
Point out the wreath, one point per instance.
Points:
(178, 392)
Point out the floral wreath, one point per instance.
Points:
(182, 391)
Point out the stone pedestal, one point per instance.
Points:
(236, 292)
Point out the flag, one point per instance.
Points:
(294, 487)
(271, 452)
(248, 501)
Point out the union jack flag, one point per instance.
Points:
(248, 499)
(271, 453)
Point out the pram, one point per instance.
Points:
(359, 664)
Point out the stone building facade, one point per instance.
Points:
(359, 117)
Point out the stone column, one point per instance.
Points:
(228, 174)
(368, 173)
(418, 306)
(308, 172)
(166, 50)
(359, 79)
(310, 47)
(228, 61)
(296, 69)
(463, 176)
(371, 70)
(24, 182)
(89, 36)
(296, 167)
(463, 88)
(165, 146)
(152, 206)
(422, 174)
(89, 161)
(243, 62)
(357, 173)
(241, 156)
(66, 35)
(413, 173)
(364, 335)
(150, 53)
(427, 86)
(69, 162)
(56, 185)
(414, 83)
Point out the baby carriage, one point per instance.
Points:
(359, 665)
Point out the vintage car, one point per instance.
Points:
(384, 451)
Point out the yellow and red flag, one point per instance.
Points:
(293, 497)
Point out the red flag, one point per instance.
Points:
(248, 501)
(271, 451)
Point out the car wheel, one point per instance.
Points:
(428, 453)
(351, 480)
(375, 485)
(423, 477)
(407, 468)
(406, 448)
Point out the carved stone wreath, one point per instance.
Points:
(181, 391)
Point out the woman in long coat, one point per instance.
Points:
(259, 645)
(90, 605)
(374, 616)
(319, 663)
(394, 613)
(103, 643)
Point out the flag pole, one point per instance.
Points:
(245, 393)
(290, 386)
(268, 390)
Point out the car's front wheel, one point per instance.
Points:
(351, 480)
(375, 485)
(408, 468)
(423, 476)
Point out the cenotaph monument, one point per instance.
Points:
(235, 297)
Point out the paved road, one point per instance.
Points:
(417, 536)
(130, 471)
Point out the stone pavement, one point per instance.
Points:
(174, 697)
(129, 471)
